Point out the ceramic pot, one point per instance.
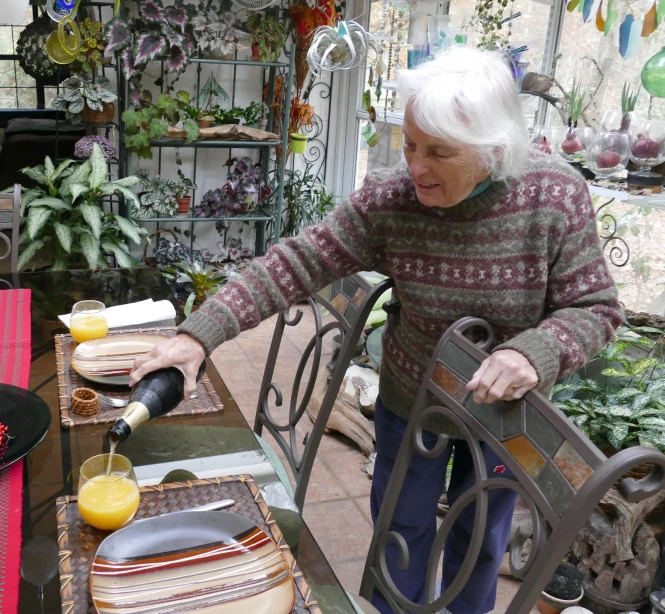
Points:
(298, 143)
(183, 204)
(262, 124)
(97, 118)
(551, 605)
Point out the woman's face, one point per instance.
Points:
(444, 173)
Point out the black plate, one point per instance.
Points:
(28, 419)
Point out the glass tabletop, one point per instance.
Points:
(207, 445)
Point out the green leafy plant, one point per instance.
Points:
(64, 219)
(226, 116)
(253, 112)
(80, 90)
(628, 409)
(575, 103)
(204, 280)
(152, 121)
(268, 33)
(91, 50)
(210, 91)
(628, 102)
(306, 200)
(183, 185)
(158, 198)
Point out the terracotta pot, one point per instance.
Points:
(183, 204)
(255, 53)
(551, 605)
(96, 118)
(205, 123)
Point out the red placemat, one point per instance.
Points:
(15, 355)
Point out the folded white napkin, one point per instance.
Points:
(134, 313)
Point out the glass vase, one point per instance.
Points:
(608, 154)
(544, 139)
(653, 75)
(647, 147)
(616, 119)
(574, 142)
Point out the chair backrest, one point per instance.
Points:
(558, 472)
(10, 210)
(349, 301)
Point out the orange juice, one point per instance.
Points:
(108, 502)
(85, 327)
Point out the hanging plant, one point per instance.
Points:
(157, 33)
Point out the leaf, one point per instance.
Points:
(192, 130)
(176, 16)
(148, 47)
(79, 175)
(36, 174)
(58, 265)
(56, 204)
(621, 410)
(76, 107)
(642, 365)
(49, 169)
(127, 182)
(122, 258)
(76, 190)
(93, 216)
(129, 229)
(617, 435)
(611, 372)
(99, 167)
(90, 249)
(64, 235)
(117, 35)
(28, 252)
(189, 304)
(37, 218)
(627, 393)
(61, 168)
(112, 187)
(652, 423)
(176, 59)
(152, 11)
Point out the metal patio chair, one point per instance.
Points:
(10, 211)
(558, 473)
(349, 301)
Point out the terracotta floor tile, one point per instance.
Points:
(350, 574)
(346, 466)
(506, 589)
(239, 375)
(364, 505)
(228, 352)
(265, 329)
(302, 340)
(339, 528)
(256, 349)
(322, 485)
(246, 401)
(335, 442)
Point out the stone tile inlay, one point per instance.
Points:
(572, 465)
(512, 421)
(359, 296)
(556, 490)
(340, 302)
(456, 358)
(488, 415)
(325, 293)
(542, 431)
(349, 286)
(526, 455)
(351, 313)
(448, 381)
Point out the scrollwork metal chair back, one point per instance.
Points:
(349, 301)
(558, 472)
(10, 210)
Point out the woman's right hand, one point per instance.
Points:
(182, 352)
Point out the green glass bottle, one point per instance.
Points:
(653, 75)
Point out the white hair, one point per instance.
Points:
(470, 97)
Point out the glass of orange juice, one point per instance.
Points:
(108, 495)
(88, 321)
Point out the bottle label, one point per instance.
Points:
(136, 414)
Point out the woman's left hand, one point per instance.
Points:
(506, 376)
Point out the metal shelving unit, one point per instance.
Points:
(286, 70)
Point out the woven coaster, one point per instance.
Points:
(78, 541)
(206, 402)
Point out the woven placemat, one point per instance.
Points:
(78, 541)
(207, 400)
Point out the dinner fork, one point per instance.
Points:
(112, 402)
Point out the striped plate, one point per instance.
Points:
(194, 562)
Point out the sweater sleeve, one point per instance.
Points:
(290, 271)
(582, 309)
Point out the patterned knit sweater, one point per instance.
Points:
(525, 256)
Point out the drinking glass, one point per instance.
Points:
(108, 500)
(608, 153)
(88, 321)
(647, 146)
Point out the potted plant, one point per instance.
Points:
(227, 116)
(210, 91)
(63, 217)
(243, 191)
(563, 591)
(91, 50)
(83, 147)
(85, 100)
(619, 121)
(572, 142)
(253, 113)
(157, 32)
(204, 281)
(152, 121)
(266, 36)
(158, 198)
(217, 37)
(182, 188)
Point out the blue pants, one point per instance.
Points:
(415, 517)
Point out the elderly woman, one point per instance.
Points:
(474, 224)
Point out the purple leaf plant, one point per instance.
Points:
(83, 147)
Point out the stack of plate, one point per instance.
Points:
(110, 360)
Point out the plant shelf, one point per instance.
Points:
(166, 142)
(236, 218)
(240, 63)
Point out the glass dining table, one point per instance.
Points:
(207, 445)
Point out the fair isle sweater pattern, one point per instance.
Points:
(523, 255)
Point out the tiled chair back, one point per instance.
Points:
(558, 473)
(10, 210)
(349, 301)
